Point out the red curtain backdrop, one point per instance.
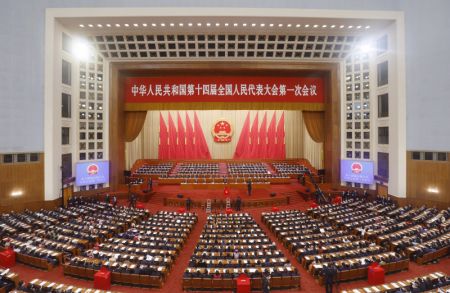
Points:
(172, 139)
(163, 148)
(200, 141)
(281, 146)
(134, 121)
(242, 147)
(254, 138)
(189, 151)
(262, 152)
(181, 143)
(314, 122)
(271, 137)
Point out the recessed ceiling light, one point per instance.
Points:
(208, 24)
(99, 25)
(289, 25)
(244, 24)
(253, 24)
(341, 26)
(126, 25)
(90, 25)
(315, 26)
(367, 27)
(235, 24)
(262, 25)
(190, 24)
(333, 26)
(163, 24)
(199, 24)
(227, 24)
(298, 25)
(144, 25)
(181, 24)
(172, 24)
(217, 24)
(350, 26)
(154, 24)
(81, 25)
(324, 25)
(271, 25)
(135, 24)
(117, 25)
(108, 25)
(306, 25)
(358, 27)
(280, 25)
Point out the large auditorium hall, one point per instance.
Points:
(224, 146)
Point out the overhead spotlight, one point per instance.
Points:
(253, 24)
(99, 25)
(367, 27)
(244, 24)
(180, 24)
(81, 49)
(144, 25)
(358, 27)
(262, 25)
(324, 25)
(271, 25)
(135, 24)
(16, 193)
(298, 25)
(365, 48)
(306, 25)
(81, 25)
(163, 24)
(315, 26)
(226, 24)
(90, 25)
(289, 25)
(208, 24)
(333, 26)
(280, 25)
(126, 25)
(432, 189)
(235, 24)
(199, 24)
(117, 25)
(341, 26)
(350, 26)
(172, 24)
(108, 25)
(190, 24)
(217, 24)
(153, 24)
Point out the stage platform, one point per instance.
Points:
(222, 186)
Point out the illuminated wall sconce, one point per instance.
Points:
(432, 190)
(17, 193)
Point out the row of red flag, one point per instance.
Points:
(189, 143)
(264, 142)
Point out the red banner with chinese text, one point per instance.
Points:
(168, 89)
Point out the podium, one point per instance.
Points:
(275, 209)
(375, 274)
(102, 279)
(7, 258)
(140, 205)
(181, 210)
(243, 284)
(228, 211)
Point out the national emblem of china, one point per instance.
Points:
(222, 131)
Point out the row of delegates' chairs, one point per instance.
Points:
(243, 169)
(161, 169)
(289, 168)
(143, 255)
(233, 244)
(8, 280)
(196, 169)
(442, 219)
(42, 286)
(434, 282)
(65, 232)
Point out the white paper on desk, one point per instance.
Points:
(386, 287)
(367, 290)
(322, 230)
(395, 285)
(376, 289)
(439, 274)
(403, 284)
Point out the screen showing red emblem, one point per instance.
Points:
(92, 169)
(357, 168)
(222, 131)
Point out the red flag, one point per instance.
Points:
(181, 138)
(242, 147)
(189, 150)
(262, 147)
(254, 138)
(163, 139)
(281, 147)
(172, 139)
(271, 137)
(200, 141)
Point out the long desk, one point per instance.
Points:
(223, 185)
(176, 181)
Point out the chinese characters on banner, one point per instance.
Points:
(223, 89)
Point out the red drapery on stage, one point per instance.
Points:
(271, 137)
(262, 153)
(163, 148)
(242, 147)
(200, 141)
(172, 139)
(181, 135)
(190, 147)
(254, 139)
(281, 146)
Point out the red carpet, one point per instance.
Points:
(173, 283)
